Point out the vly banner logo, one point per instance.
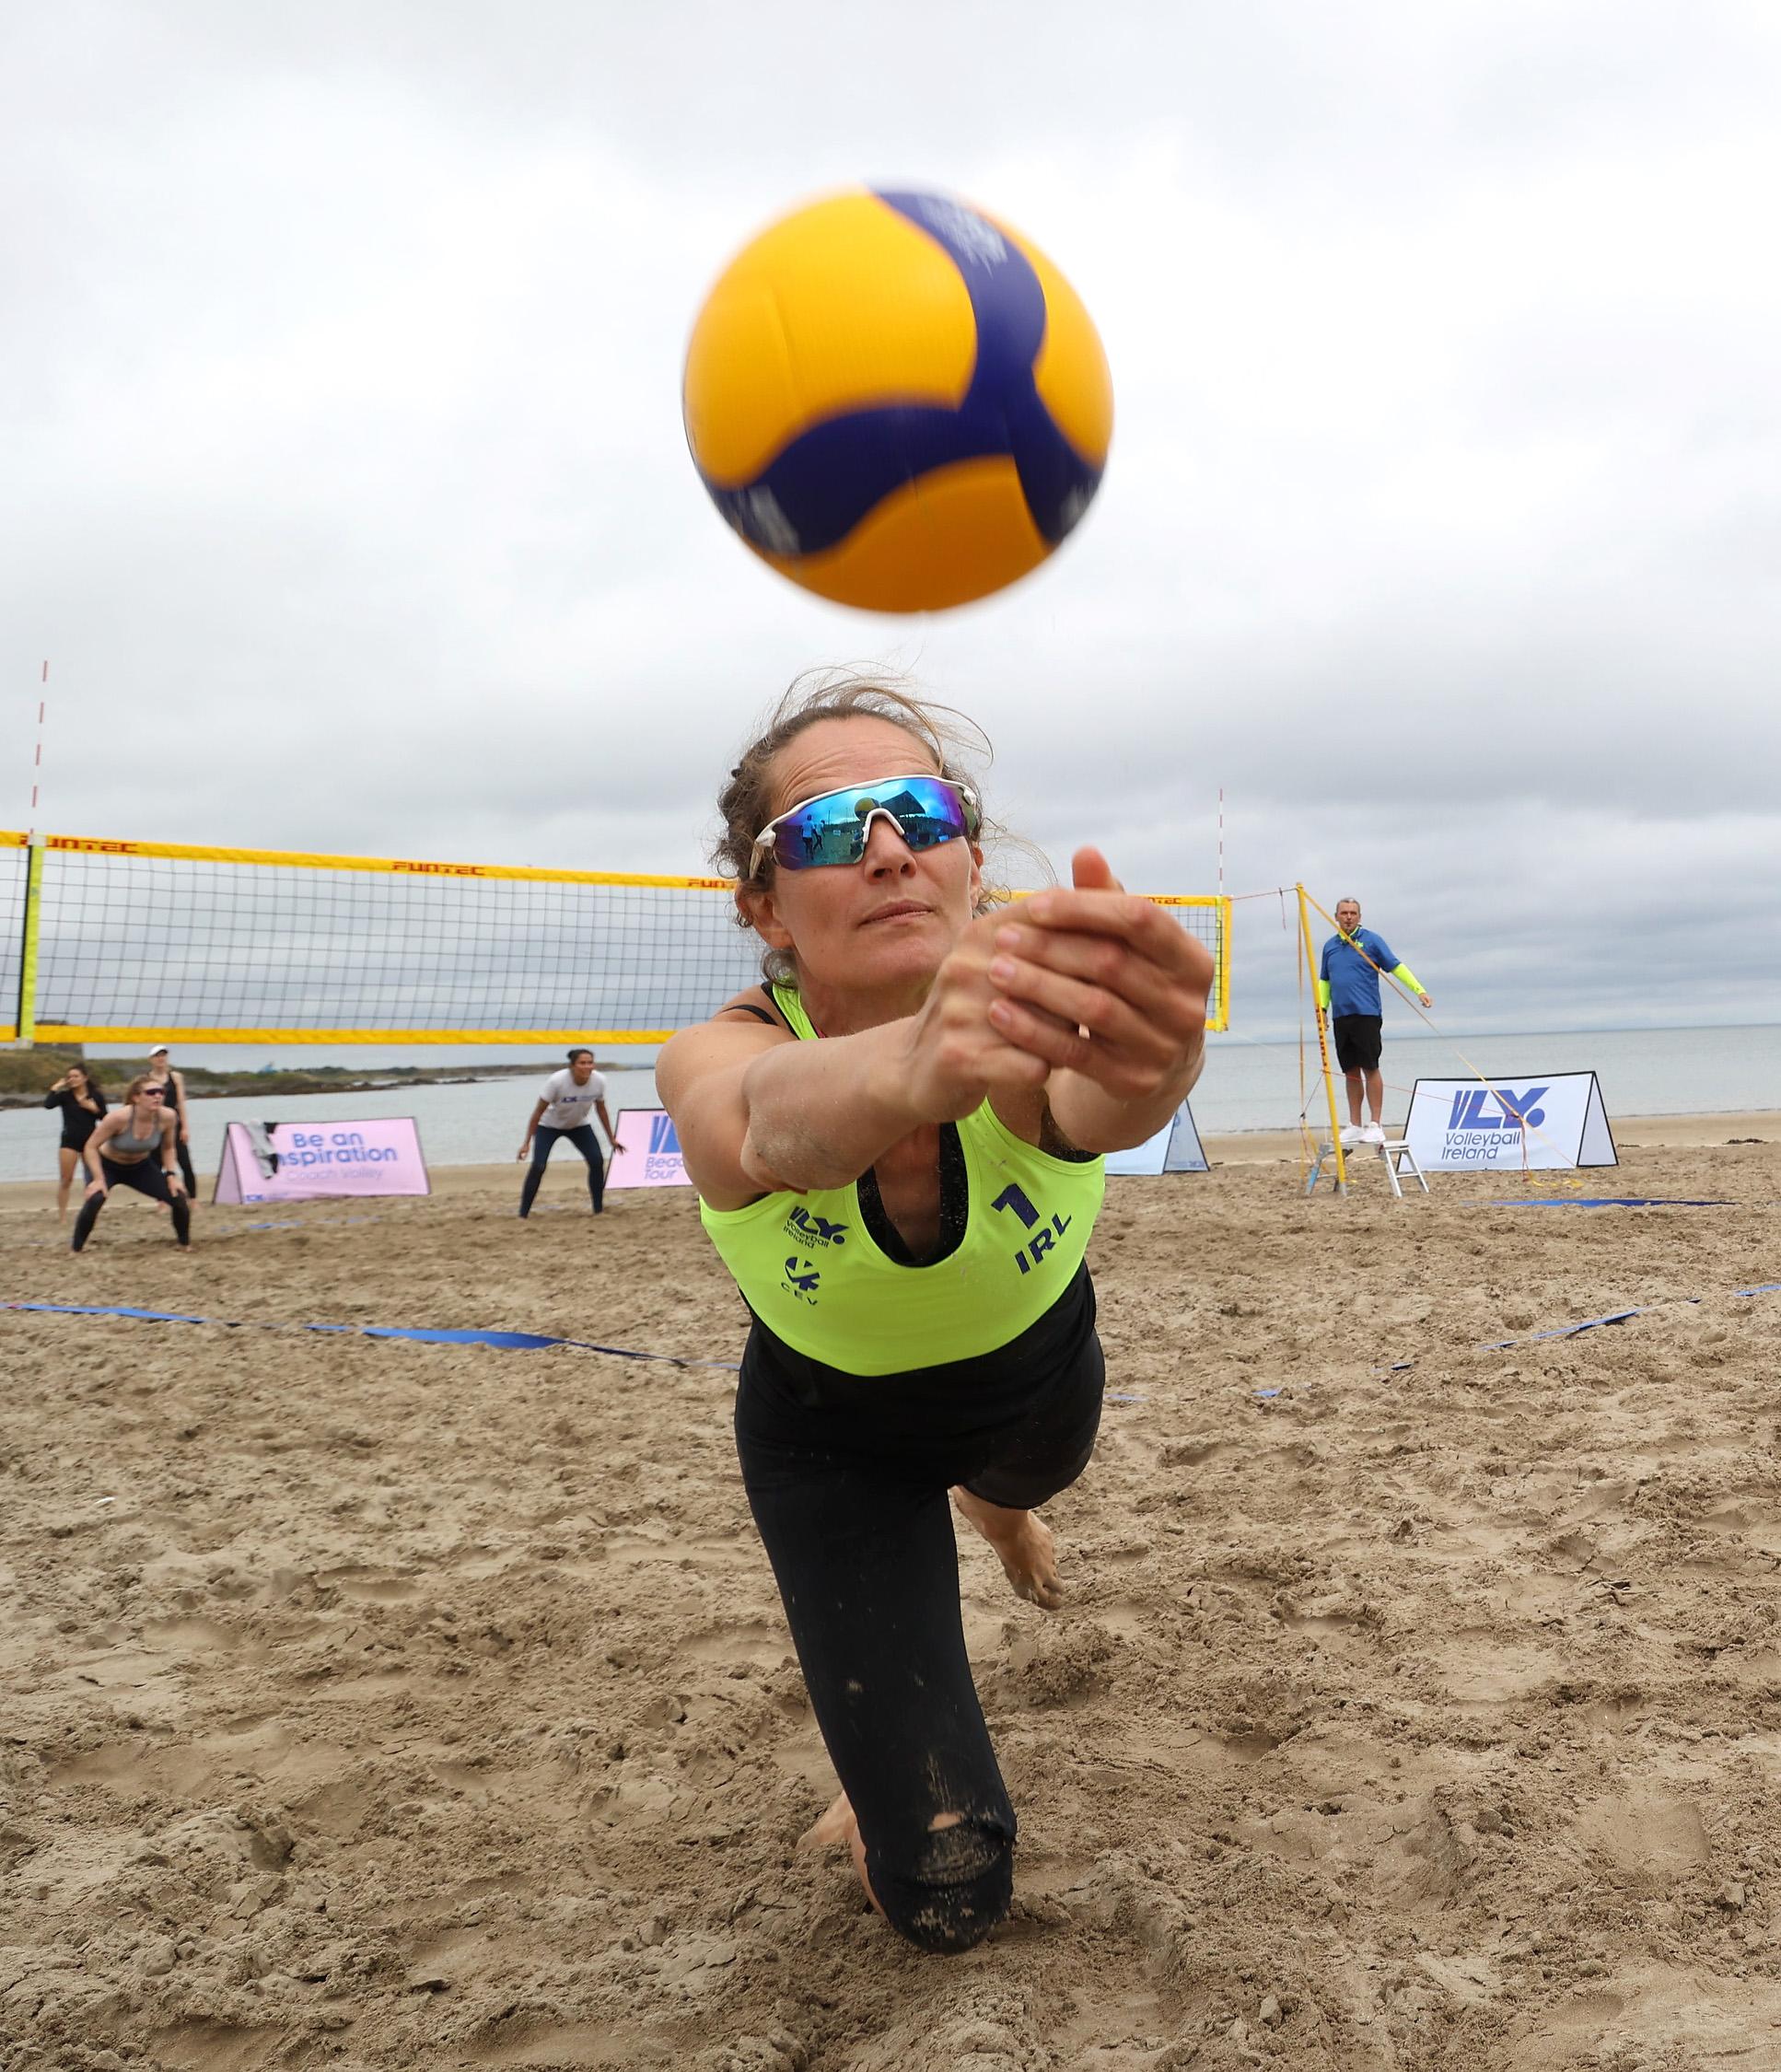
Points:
(1476, 1108)
(664, 1138)
(1465, 1125)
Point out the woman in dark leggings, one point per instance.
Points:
(561, 1114)
(78, 1095)
(161, 1074)
(897, 1146)
(135, 1147)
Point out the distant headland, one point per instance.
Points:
(27, 1075)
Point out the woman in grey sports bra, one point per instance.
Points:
(136, 1146)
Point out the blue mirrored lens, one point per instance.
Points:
(831, 829)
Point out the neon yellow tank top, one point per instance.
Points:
(809, 1268)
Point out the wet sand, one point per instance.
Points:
(381, 1705)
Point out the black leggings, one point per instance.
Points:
(146, 1177)
(544, 1142)
(182, 1151)
(850, 1493)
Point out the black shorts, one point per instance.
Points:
(1357, 1041)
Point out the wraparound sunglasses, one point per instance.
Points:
(834, 827)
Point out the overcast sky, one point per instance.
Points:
(346, 489)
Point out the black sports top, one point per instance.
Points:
(77, 1123)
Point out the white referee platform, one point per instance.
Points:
(1394, 1152)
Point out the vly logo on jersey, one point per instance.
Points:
(804, 1226)
(1472, 1109)
(664, 1138)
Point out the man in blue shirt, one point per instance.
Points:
(1348, 991)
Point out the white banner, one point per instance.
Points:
(1175, 1148)
(652, 1151)
(308, 1161)
(1556, 1122)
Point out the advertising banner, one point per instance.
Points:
(1175, 1148)
(305, 1161)
(652, 1151)
(1554, 1121)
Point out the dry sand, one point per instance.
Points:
(366, 1704)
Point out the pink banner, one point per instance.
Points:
(652, 1151)
(302, 1162)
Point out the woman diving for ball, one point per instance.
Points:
(897, 1145)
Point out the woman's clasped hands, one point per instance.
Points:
(1092, 992)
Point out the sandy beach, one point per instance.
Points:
(367, 1704)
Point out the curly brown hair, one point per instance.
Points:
(945, 738)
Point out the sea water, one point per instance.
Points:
(1246, 1086)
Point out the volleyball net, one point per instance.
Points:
(108, 941)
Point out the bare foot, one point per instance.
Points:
(1023, 1544)
(837, 1824)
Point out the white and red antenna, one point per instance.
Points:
(37, 761)
(1220, 833)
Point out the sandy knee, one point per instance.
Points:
(957, 1887)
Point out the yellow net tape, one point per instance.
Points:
(104, 940)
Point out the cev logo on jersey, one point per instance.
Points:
(1013, 1201)
(1517, 1110)
(804, 1228)
(800, 1278)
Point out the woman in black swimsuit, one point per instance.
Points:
(136, 1146)
(77, 1095)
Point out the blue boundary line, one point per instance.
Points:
(504, 1341)
(229, 1231)
(1593, 1323)
(1608, 1201)
(1571, 1330)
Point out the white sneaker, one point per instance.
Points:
(1353, 1135)
(1372, 1134)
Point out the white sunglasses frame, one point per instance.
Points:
(766, 838)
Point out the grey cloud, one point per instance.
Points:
(1441, 527)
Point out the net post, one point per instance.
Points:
(1224, 959)
(1322, 1043)
(26, 1018)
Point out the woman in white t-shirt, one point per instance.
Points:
(561, 1111)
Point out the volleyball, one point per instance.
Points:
(897, 401)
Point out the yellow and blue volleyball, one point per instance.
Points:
(897, 401)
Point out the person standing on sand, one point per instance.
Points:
(161, 1074)
(134, 1147)
(1348, 991)
(77, 1095)
(897, 1146)
(561, 1111)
